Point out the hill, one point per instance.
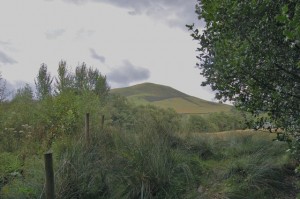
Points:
(167, 97)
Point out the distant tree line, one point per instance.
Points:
(83, 79)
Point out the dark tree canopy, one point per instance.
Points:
(250, 54)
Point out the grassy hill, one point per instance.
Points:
(167, 97)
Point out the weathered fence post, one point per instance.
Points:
(87, 128)
(50, 194)
(102, 122)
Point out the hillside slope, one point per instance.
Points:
(167, 97)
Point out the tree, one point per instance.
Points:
(3, 91)
(24, 94)
(43, 83)
(65, 80)
(89, 79)
(250, 54)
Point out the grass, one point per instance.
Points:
(247, 165)
(191, 105)
(158, 163)
(167, 97)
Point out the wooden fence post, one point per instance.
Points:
(102, 122)
(87, 128)
(50, 194)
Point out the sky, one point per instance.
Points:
(129, 41)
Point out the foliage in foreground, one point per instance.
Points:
(144, 159)
(138, 153)
(249, 53)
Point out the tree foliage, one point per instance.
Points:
(43, 83)
(3, 91)
(65, 80)
(84, 79)
(24, 93)
(250, 54)
(89, 79)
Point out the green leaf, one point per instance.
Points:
(288, 34)
(285, 9)
(281, 18)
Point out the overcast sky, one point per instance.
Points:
(129, 41)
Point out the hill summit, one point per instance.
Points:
(167, 97)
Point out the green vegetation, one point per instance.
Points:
(249, 53)
(140, 152)
(167, 97)
(214, 122)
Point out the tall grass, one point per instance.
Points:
(132, 165)
(250, 166)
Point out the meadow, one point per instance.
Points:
(140, 152)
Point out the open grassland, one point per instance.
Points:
(167, 97)
(191, 105)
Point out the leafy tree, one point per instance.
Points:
(43, 83)
(89, 79)
(250, 54)
(81, 77)
(24, 94)
(65, 79)
(3, 91)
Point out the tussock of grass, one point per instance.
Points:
(248, 166)
(126, 166)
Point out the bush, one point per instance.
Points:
(198, 123)
(215, 122)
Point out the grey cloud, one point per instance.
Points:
(176, 13)
(53, 34)
(97, 56)
(4, 43)
(5, 59)
(128, 73)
